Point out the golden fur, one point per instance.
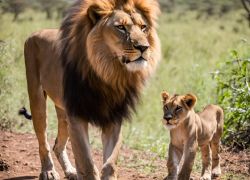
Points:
(189, 130)
(103, 46)
(93, 69)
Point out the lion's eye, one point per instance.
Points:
(121, 28)
(143, 28)
(178, 109)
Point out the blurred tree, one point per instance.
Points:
(167, 5)
(62, 8)
(246, 5)
(13, 6)
(49, 6)
(204, 7)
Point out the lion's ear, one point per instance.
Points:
(190, 100)
(98, 10)
(164, 95)
(94, 14)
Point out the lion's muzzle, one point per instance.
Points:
(138, 60)
(141, 48)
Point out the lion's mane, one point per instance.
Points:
(100, 92)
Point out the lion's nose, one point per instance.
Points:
(142, 48)
(168, 117)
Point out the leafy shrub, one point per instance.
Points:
(234, 96)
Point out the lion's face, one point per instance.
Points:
(126, 35)
(123, 37)
(176, 109)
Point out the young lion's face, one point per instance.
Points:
(176, 108)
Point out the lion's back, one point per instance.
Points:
(43, 63)
(212, 113)
(42, 39)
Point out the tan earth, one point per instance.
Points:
(19, 160)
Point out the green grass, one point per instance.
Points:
(12, 74)
(191, 49)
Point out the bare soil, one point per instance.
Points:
(19, 159)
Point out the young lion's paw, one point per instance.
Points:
(49, 175)
(216, 172)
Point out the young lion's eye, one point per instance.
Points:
(178, 109)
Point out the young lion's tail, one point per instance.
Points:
(23, 112)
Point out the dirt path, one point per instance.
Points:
(19, 159)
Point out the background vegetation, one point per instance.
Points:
(234, 95)
(197, 39)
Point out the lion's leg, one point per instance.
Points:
(38, 110)
(111, 140)
(206, 162)
(215, 146)
(189, 153)
(60, 145)
(37, 98)
(174, 157)
(216, 170)
(78, 131)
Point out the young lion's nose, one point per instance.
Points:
(168, 117)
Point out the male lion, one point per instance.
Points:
(93, 68)
(189, 130)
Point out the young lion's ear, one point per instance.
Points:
(189, 100)
(164, 95)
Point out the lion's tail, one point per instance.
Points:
(23, 112)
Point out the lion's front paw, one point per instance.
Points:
(71, 175)
(216, 172)
(206, 176)
(109, 172)
(49, 175)
(170, 178)
(109, 178)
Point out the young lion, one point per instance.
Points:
(189, 130)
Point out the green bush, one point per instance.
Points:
(234, 96)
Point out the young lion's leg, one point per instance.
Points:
(60, 145)
(206, 162)
(174, 157)
(189, 153)
(215, 146)
(78, 131)
(111, 140)
(216, 170)
(38, 110)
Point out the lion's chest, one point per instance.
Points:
(178, 137)
(93, 101)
